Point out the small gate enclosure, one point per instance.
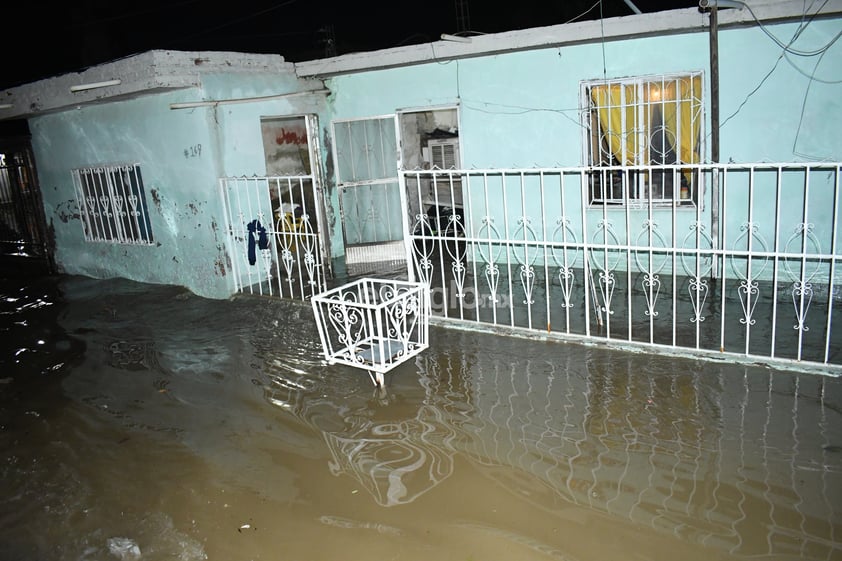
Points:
(373, 324)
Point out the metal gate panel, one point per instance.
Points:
(22, 223)
(273, 235)
(366, 163)
(532, 252)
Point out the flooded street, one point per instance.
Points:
(144, 422)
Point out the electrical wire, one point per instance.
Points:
(803, 110)
(751, 93)
(520, 110)
(788, 46)
(238, 20)
(812, 76)
(785, 48)
(132, 15)
(586, 12)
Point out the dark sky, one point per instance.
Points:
(56, 38)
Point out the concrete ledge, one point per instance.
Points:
(130, 77)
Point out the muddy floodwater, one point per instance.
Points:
(142, 422)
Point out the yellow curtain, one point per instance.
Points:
(684, 115)
(613, 103)
(617, 107)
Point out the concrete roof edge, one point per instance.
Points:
(669, 22)
(132, 76)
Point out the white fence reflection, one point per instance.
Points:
(745, 264)
(743, 464)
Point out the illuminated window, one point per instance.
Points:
(639, 132)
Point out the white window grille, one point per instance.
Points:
(112, 204)
(638, 134)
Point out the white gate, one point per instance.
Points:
(274, 235)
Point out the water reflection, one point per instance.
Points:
(746, 463)
(396, 458)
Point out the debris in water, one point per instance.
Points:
(124, 548)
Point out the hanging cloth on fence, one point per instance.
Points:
(262, 241)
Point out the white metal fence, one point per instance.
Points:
(748, 266)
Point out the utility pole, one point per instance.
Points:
(329, 40)
(463, 17)
(714, 135)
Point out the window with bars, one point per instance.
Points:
(112, 204)
(639, 133)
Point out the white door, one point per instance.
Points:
(365, 157)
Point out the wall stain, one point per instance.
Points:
(51, 239)
(68, 210)
(156, 198)
(215, 229)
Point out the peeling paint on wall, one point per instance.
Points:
(156, 199)
(68, 210)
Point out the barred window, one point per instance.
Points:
(112, 204)
(639, 132)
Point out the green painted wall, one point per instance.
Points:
(176, 157)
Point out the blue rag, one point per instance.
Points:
(262, 241)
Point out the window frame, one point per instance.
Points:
(642, 164)
(112, 204)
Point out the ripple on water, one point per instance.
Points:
(351, 524)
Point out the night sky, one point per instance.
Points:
(69, 37)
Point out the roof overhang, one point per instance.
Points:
(131, 77)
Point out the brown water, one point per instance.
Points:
(143, 422)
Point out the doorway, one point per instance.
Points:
(430, 150)
(23, 226)
(277, 232)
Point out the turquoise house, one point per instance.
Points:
(582, 179)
